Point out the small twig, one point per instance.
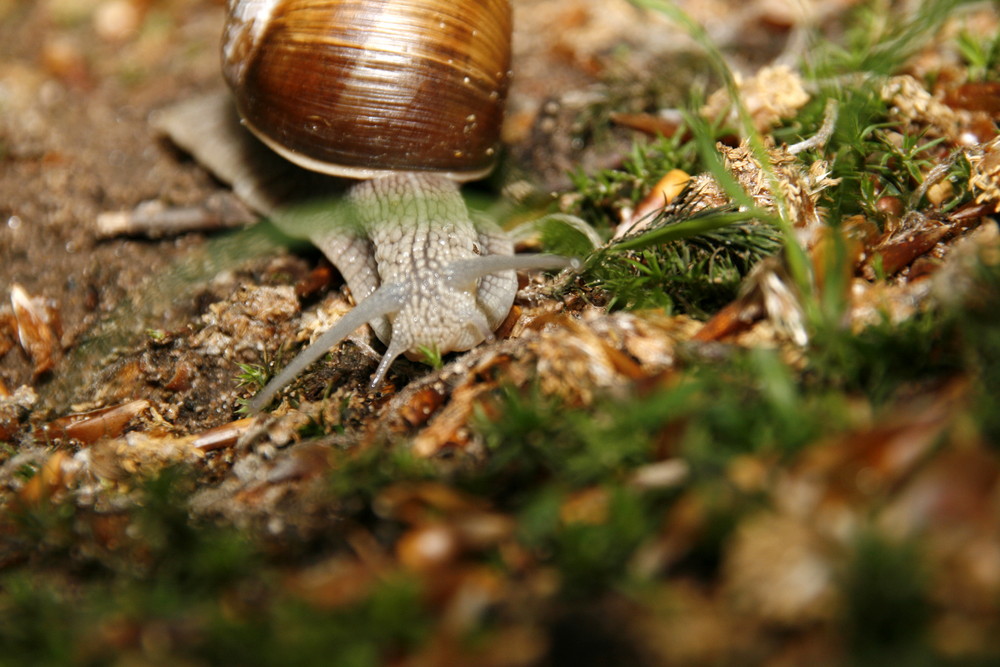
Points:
(154, 219)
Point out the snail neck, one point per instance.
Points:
(416, 219)
(406, 192)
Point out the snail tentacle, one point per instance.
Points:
(463, 271)
(383, 301)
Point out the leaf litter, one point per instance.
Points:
(807, 474)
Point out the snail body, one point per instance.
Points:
(407, 95)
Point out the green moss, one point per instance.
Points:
(886, 358)
(591, 556)
(183, 590)
(694, 266)
(982, 57)
(600, 197)
(878, 40)
(888, 609)
(977, 327)
(358, 475)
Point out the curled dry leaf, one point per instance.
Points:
(315, 281)
(767, 292)
(666, 190)
(38, 329)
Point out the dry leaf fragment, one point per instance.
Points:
(54, 476)
(666, 190)
(333, 584)
(915, 235)
(8, 330)
(448, 425)
(985, 176)
(770, 95)
(222, 436)
(779, 570)
(664, 124)
(587, 506)
(139, 454)
(975, 96)
(89, 427)
(415, 503)
(421, 406)
(13, 408)
(428, 547)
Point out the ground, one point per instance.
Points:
(684, 454)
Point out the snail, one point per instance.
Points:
(407, 98)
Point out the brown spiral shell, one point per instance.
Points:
(361, 88)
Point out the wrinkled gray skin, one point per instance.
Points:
(424, 273)
(416, 226)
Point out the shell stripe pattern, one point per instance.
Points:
(359, 88)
